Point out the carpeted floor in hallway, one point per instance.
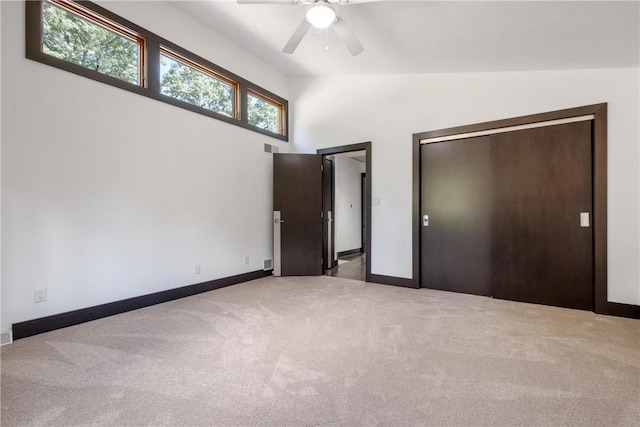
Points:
(318, 351)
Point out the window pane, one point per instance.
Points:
(263, 114)
(69, 37)
(180, 81)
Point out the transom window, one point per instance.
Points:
(74, 34)
(88, 40)
(265, 113)
(190, 82)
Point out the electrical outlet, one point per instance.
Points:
(196, 270)
(40, 295)
(246, 259)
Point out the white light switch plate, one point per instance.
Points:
(584, 219)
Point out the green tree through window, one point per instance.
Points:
(263, 114)
(75, 39)
(187, 84)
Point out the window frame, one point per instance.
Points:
(151, 48)
(268, 100)
(187, 62)
(107, 24)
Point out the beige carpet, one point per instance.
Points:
(328, 351)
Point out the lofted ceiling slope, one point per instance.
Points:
(408, 37)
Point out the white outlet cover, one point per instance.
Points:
(40, 295)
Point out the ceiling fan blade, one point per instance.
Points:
(346, 2)
(267, 1)
(307, 2)
(346, 35)
(297, 36)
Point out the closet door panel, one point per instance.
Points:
(541, 184)
(456, 198)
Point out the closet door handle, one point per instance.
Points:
(584, 219)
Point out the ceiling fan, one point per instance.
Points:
(320, 14)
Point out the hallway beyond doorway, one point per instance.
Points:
(350, 267)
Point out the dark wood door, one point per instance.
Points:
(328, 213)
(363, 210)
(297, 195)
(504, 215)
(456, 196)
(541, 184)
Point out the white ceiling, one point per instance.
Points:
(402, 37)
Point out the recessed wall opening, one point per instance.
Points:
(347, 211)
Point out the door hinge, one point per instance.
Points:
(321, 168)
(321, 214)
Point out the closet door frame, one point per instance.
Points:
(599, 179)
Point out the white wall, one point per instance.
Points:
(348, 219)
(108, 195)
(387, 110)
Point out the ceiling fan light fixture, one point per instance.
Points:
(321, 16)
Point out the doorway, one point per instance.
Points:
(346, 211)
(344, 207)
(300, 247)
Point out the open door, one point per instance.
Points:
(297, 214)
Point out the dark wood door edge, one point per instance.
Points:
(344, 149)
(328, 203)
(363, 210)
(366, 146)
(599, 147)
(71, 318)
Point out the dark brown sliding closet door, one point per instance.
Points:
(456, 197)
(504, 215)
(542, 182)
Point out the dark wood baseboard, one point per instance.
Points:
(70, 318)
(623, 310)
(350, 252)
(391, 280)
